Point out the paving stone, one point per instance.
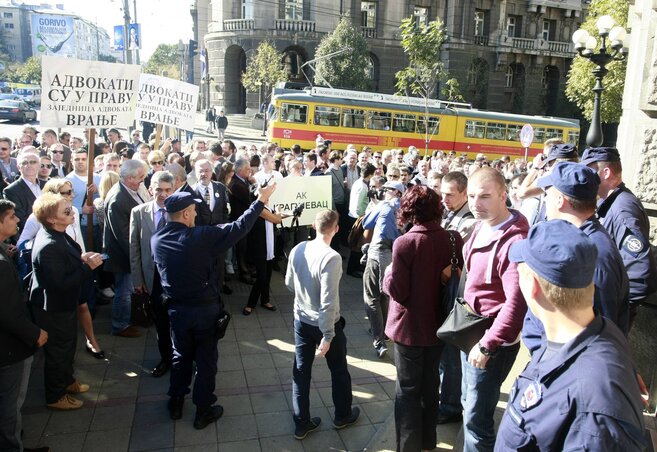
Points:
(187, 435)
(268, 402)
(69, 421)
(323, 440)
(262, 377)
(236, 404)
(241, 446)
(107, 440)
(377, 412)
(112, 417)
(149, 413)
(34, 424)
(236, 428)
(259, 361)
(356, 436)
(230, 362)
(231, 379)
(275, 424)
(285, 443)
(156, 436)
(71, 442)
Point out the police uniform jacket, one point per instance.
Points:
(584, 397)
(612, 287)
(624, 217)
(186, 257)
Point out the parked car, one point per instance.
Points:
(17, 110)
(9, 96)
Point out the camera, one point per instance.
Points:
(376, 194)
(298, 210)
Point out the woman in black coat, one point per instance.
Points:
(59, 272)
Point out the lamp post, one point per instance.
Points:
(585, 44)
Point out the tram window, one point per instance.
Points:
(573, 137)
(513, 132)
(353, 118)
(403, 123)
(378, 120)
(553, 133)
(539, 135)
(475, 129)
(495, 131)
(327, 116)
(434, 124)
(274, 114)
(294, 113)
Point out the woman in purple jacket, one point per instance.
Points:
(413, 282)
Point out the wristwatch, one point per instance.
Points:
(486, 352)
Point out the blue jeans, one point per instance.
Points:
(13, 389)
(306, 339)
(121, 302)
(193, 337)
(450, 382)
(480, 392)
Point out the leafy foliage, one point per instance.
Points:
(264, 70)
(28, 72)
(451, 91)
(580, 80)
(349, 69)
(164, 61)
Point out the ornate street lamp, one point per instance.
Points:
(585, 44)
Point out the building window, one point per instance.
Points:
(9, 26)
(7, 15)
(294, 9)
(421, 15)
(549, 30)
(509, 77)
(368, 14)
(511, 26)
(247, 9)
(479, 22)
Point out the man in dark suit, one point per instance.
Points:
(240, 201)
(8, 164)
(214, 208)
(59, 166)
(145, 219)
(19, 339)
(24, 191)
(121, 199)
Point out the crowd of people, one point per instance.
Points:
(555, 252)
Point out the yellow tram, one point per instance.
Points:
(383, 121)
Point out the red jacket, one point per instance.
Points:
(414, 284)
(492, 285)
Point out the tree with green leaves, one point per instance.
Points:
(29, 72)
(264, 70)
(349, 69)
(421, 43)
(164, 61)
(579, 87)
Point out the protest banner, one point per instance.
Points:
(313, 193)
(78, 93)
(163, 100)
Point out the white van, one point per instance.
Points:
(30, 94)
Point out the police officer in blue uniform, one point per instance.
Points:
(571, 191)
(579, 391)
(185, 256)
(624, 217)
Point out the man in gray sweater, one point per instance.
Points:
(314, 276)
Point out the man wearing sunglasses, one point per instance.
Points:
(59, 166)
(24, 191)
(8, 164)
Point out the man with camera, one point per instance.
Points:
(381, 223)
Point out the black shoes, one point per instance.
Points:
(226, 289)
(312, 425)
(449, 419)
(207, 415)
(93, 352)
(175, 407)
(162, 368)
(349, 420)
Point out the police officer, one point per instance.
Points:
(185, 256)
(553, 406)
(571, 191)
(624, 217)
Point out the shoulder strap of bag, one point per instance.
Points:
(454, 263)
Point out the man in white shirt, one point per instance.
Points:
(267, 173)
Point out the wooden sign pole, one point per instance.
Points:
(158, 136)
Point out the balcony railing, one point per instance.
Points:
(481, 40)
(238, 24)
(295, 25)
(558, 47)
(537, 45)
(368, 32)
(523, 43)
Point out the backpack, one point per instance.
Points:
(358, 236)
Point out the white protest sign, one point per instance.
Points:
(166, 101)
(313, 193)
(83, 93)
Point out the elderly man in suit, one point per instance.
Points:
(239, 201)
(8, 164)
(24, 191)
(145, 220)
(120, 201)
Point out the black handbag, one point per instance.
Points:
(222, 325)
(463, 327)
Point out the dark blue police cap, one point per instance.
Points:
(179, 201)
(592, 155)
(572, 179)
(559, 252)
(560, 151)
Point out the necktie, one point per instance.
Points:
(206, 196)
(163, 219)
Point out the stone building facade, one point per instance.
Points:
(509, 56)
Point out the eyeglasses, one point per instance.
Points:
(57, 152)
(29, 162)
(66, 193)
(159, 162)
(68, 211)
(46, 165)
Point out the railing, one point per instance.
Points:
(295, 25)
(368, 32)
(560, 47)
(536, 45)
(523, 43)
(238, 24)
(481, 40)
